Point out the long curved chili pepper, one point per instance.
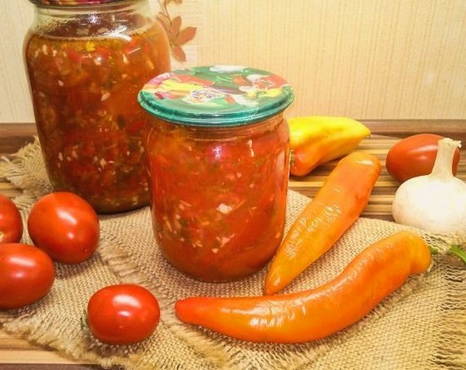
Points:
(376, 272)
(336, 206)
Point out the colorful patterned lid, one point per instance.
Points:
(71, 2)
(219, 95)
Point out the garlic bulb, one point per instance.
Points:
(436, 202)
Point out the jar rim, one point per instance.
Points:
(216, 96)
(74, 3)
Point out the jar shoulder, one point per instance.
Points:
(94, 22)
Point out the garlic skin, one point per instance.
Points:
(436, 202)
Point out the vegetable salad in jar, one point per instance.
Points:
(218, 155)
(86, 64)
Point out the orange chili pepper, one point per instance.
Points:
(376, 272)
(334, 209)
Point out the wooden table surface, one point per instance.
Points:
(17, 353)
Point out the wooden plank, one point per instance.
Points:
(402, 128)
(318, 184)
(6, 186)
(22, 366)
(14, 136)
(12, 343)
(34, 357)
(16, 353)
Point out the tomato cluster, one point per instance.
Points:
(65, 228)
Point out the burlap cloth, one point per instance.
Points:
(421, 326)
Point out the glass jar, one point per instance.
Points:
(86, 62)
(218, 157)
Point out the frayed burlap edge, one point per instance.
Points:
(451, 341)
(14, 169)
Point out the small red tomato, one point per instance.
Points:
(415, 156)
(65, 226)
(11, 227)
(26, 275)
(123, 314)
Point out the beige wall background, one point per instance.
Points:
(368, 59)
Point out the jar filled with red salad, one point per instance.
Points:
(217, 151)
(87, 61)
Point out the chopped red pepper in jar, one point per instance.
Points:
(218, 190)
(85, 72)
(219, 206)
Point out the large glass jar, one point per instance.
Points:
(87, 60)
(217, 152)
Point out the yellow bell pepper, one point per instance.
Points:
(316, 140)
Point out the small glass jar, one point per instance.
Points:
(218, 157)
(87, 61)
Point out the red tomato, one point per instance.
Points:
(123, 314)
(65, 226)
(415, 156)
(11, 227)
(26, 275)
